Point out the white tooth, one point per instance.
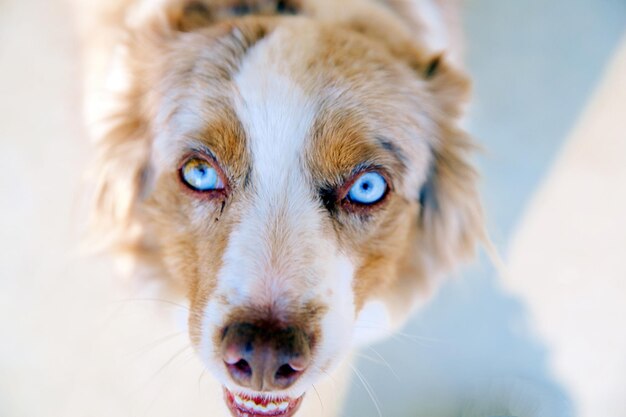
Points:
(272, 407)
(250, 404)
(238, 400)
(283, 406)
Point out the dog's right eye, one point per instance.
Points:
(200, 175)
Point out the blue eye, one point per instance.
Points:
(369, 188)
(200, 175)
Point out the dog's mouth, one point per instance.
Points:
(244, 405)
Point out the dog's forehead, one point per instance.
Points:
(303, 98)
(275, 111)
(301, 101)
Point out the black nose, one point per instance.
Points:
(265, 358)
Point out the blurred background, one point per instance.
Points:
(546, 336)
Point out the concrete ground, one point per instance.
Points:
(542, 337)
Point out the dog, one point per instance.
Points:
(296, 169)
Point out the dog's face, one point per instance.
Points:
(301, 181)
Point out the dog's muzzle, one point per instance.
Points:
(266, 359)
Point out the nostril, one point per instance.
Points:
(241, 368)
(286, 372)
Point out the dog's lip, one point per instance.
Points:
(244, 405)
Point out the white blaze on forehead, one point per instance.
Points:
(277, 116)
(281, 218)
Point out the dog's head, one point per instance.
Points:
(303, 181)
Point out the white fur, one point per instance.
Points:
(277, 117)
(373, 323)
(278, 253)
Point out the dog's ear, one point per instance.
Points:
(119, 171)
(451, 221)
(118, 119)
(449, 86)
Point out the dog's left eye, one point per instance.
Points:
(368, 189)
(198, 174)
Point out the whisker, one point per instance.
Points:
(384, 361)
(153, 345)
(153, 378)
(362, 355)
(163, 385)
(378, 361)
(320, 400)
(200, 381)
(330, 377)
(190, 357)
(398, 335)
(368, 389)
(156, 300)
(416, 338)
(170, 360)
